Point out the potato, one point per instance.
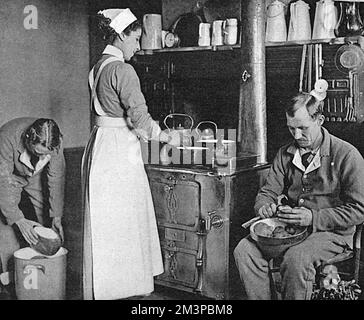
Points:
(262, 229)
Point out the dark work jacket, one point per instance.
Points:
(334, 191)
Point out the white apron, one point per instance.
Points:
(121, 244)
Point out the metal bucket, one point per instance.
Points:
(39, 277)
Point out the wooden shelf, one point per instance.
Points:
(189, 49)
(341, 40)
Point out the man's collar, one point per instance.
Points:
(113, 51)
(25, 156)
(324, 148)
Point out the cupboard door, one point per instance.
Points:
(153, 74)
(177, 201)
(179, 250)
(205, 65)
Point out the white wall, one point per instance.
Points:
(43, 72)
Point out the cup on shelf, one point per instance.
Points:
(217, 33)
(230, 30)
(204, 38)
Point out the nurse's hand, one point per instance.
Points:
(26, 228)
(299, 216)
(267, 211)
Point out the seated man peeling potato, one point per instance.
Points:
(323, 178)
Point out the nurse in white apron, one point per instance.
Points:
(121, 245)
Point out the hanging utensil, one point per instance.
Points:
(349, 57)
(302, 69)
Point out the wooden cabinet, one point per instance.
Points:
(202, 83)
(153, 72)
(206, 65)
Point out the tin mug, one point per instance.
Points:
(204, 38)
(230, 28)
(217, 33)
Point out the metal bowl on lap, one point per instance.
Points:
(272, 246)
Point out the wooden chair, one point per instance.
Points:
(348, 264)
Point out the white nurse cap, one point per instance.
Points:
(120, 18)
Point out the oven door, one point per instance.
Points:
(177, 201)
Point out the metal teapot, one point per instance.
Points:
(206, 131)
(185, 133)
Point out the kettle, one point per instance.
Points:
(299, 24)
(350, 23)
(325, 20)
(185, 133)
(152, 32)
(276, 29)
(206, 131)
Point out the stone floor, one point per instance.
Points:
(163, 293)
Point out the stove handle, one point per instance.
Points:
(214, 220)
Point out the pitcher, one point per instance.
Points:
(152, 32)
(325, 20)
(300, 24)
(276, 29)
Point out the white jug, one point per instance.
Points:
(152, 32)
(276, 29)
(325, 20)
(300, 24)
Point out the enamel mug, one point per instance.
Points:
(230, 28)
(217, 33)
(204, 38)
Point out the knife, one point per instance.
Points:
(247, 224)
